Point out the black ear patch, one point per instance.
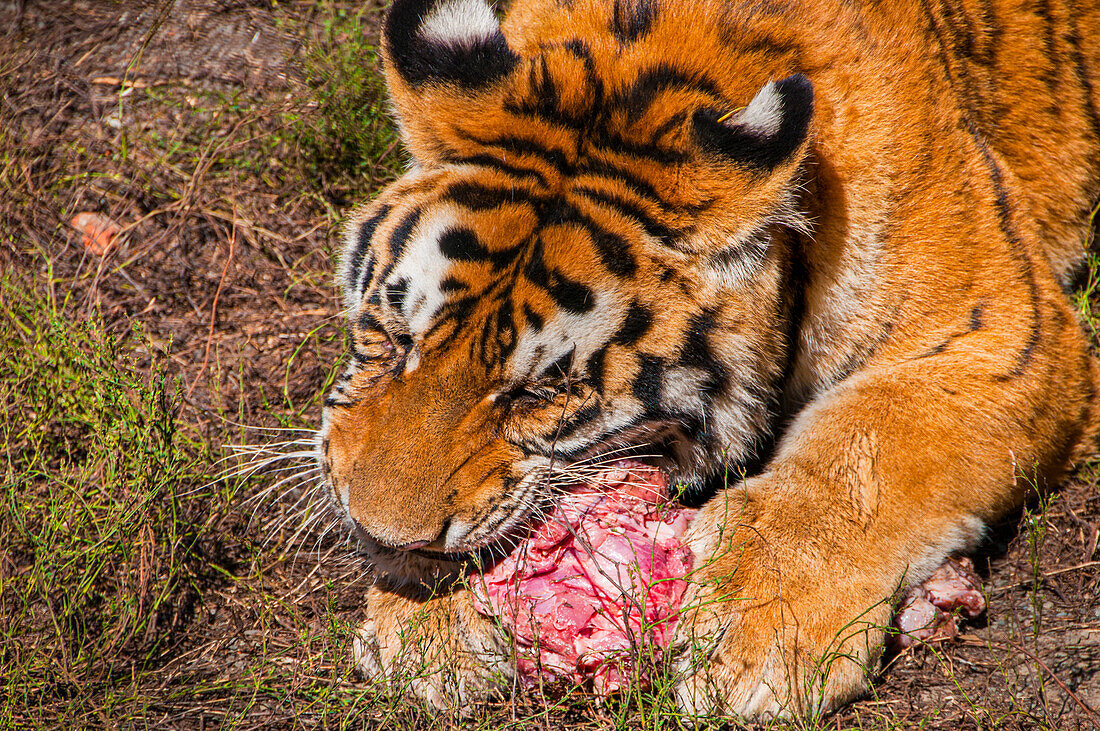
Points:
(766, 132)
(448, 41)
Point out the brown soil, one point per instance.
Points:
(171, 118)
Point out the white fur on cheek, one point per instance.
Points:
(582, 334)
(459, 22)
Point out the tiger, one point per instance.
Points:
(811, 258)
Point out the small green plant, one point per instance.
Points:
(345, 131)
(1082, 297)
(97, 551)
(1035, 525)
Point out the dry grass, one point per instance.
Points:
(226, 139)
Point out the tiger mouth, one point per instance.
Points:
(501, 547)
(478, 556)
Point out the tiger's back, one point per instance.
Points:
(1026, 77)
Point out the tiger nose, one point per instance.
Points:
(396, 545)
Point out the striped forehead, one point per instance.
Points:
(488, 269)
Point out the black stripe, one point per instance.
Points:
(649, 382)
(543, 100)
(534, 321)
(656, 79)
(698, 353)
(637, 186)
(634, 212)
(592, 80)
(478, 197)
(365, 277)
(635, 325)
(491, 161)
(569, 294)
(462, 244)
(395, 293)
(1082, 73)
(454, 313)
(452, 284)
(1027, 269)
(612, 141)
(976, 317)
(523, 146)
(400, 235)
(1049, 74)
(362, 245)
(594, 369)
(935, 350)
(559, 368)
(367, 321)
(506, 331)
(676, 120)
(863, 351)
(612, 249)
(580, 418)
(1002, 204)
(631, 19)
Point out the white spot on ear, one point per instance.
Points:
(764, 113)
(459, 22)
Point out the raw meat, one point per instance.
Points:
(597, 584)
(928, 611)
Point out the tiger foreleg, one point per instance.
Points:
(871, 489)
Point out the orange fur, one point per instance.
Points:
(881, 296)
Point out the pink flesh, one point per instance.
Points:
(598, 583)
(928, 611)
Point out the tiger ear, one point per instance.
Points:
(441, 56)
(446, 42)
(768, 132)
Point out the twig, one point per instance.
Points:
(1089, 713)
(1047, 574)
(214, 311)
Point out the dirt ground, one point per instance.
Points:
(184, 123)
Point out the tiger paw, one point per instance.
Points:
(773, 657)
(764, 665)
(438, 650)
(767, 632)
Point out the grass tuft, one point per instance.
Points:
(346, 134)
(97, 554)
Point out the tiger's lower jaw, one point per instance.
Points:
(410, 569)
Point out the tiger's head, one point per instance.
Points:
(589, 255)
